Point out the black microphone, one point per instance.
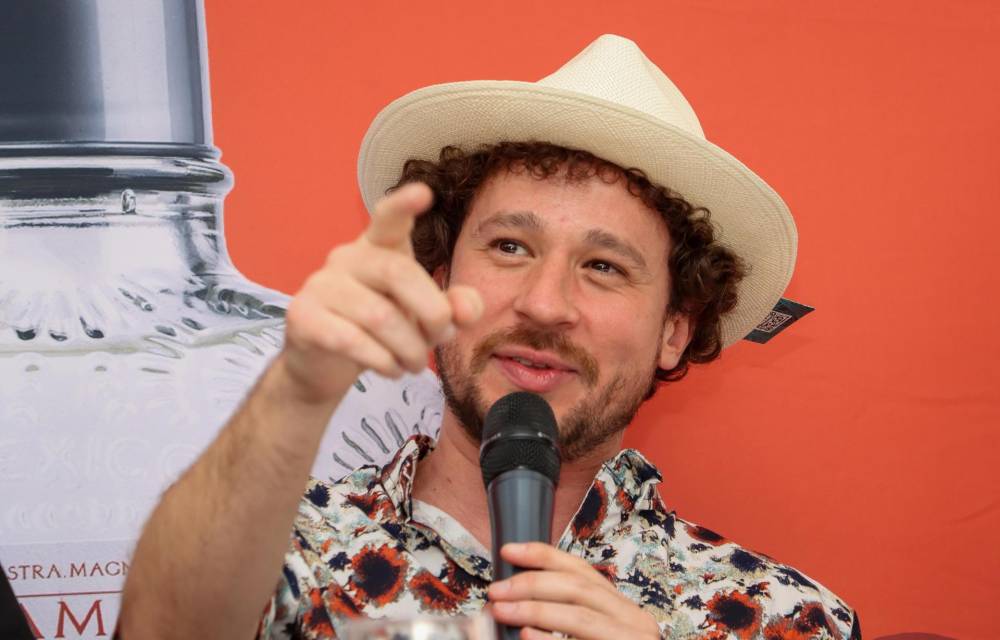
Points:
(519, 458)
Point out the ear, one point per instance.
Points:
(440, 276)
(677, 333)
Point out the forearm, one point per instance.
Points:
(211, 553)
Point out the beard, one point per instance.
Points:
(599, 416)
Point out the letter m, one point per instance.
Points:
(66, 612)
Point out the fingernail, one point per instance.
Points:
(514, 547)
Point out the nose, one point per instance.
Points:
(546, 296)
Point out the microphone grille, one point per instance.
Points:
(520, 432)
(521, 411)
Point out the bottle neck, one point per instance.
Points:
(119, 254)
(66, 219)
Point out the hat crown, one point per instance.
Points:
(614, 69)
(614, 102)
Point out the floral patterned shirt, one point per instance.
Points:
(357, 551)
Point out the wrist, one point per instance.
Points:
(289, 420)
(284, 384)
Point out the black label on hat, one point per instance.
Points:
(781, 317)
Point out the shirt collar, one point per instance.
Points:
(629, 472)
(396, 477)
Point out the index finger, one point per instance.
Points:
(392, 220)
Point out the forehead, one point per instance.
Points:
(572, 209)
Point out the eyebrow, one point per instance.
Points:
(611, 242)
(511, 220)
(530, 221)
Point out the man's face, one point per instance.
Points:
(574, 279)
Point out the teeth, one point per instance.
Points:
(529, 363)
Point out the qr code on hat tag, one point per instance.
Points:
(773, 322)
(780, 318)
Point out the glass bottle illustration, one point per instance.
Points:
(127, 336)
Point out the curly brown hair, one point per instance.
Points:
(703, 274)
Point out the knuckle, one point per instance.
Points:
(337, 254)
(589, 618)
(580, 584)
(531, 609)
(393, 267)
(361, 350)
(541, 610)
(534, 578)
(315, 284)
(344, 340)
(531, 580)
(378, 316)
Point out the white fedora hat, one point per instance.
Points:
(612, 101)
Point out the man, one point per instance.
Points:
(542, 262)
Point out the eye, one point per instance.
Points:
(605, 267)
(510, 247)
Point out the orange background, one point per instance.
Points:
(860, 446)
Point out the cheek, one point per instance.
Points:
(623, 334)
(497, 290)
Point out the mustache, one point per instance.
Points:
(539, 340)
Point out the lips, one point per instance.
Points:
(533, 371)
(535, 359)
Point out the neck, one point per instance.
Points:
(450, 479)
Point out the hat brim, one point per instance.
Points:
(749, 217)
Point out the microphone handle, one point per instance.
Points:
(520, 502)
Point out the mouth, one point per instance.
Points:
(534, 371)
